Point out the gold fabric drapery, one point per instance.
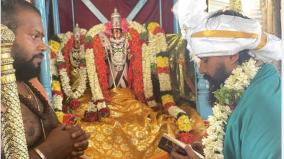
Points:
(132, 131)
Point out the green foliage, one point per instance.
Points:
(227, 96)
(88, 39)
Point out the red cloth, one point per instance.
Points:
(86, 19)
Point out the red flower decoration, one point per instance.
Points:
(90, 116)
(163, 70)
(186, 137)
(74, 104)
(135, 76)
(108, 27)
(66, 51)
(70, 119)
(101, 66)
(52, 55)
(104, 112)
(61, 66)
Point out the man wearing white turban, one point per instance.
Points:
(234, 54)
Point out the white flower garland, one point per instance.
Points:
(57, 102)
(238, 81)
(65, 80)
(96, 30)
(156, 44)
(137, 26)
(93, 79)
(147, 81)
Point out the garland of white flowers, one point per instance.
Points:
(136, 26)
(227, 95)
(96, 91)
(147, 56)
(156, 44)
(65, 80)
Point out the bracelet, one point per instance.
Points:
(39, 153)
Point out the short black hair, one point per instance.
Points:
(244, 56)
(228, 12)
(9, 11)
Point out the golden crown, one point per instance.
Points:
(116, 19)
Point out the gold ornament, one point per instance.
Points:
(116, 19)
(12, 127)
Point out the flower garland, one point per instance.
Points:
(135, 76)
(226, 96)
(156, 36)
(168, 102)
(95, 30)
(136, 26)
(183, 121)
(147, 80)
(101, 66)
(55, 85)
(97, 95)
(156, 44)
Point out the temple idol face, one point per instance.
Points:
(116, 33)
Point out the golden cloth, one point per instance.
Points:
(132, 131)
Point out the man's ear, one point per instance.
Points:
(234, 59)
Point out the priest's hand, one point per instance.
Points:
(81, 140)
(189, 151)
(58, 143)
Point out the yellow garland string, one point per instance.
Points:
(184, 123)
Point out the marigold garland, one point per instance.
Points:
(157, 43)
(184, 124)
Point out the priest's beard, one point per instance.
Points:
(215, 81)
(25, 70)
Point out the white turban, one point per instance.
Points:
(225, 34)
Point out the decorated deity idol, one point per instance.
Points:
(70, 85)
(118, 63)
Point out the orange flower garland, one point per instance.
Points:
(135, 77)
(101, 66)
